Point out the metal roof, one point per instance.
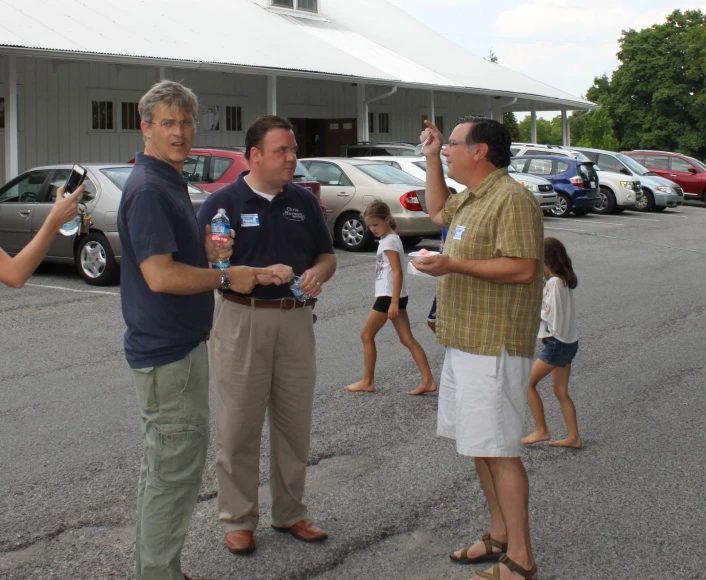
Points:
(351, 39)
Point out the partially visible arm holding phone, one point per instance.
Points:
(15, 272)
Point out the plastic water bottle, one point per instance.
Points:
(296, 286)
(220, 233)
(71, 228)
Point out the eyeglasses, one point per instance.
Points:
(169, 124)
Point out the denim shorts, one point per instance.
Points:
(557, 353)
(431, 317)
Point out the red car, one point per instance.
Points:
(211, 168)
(687, 172)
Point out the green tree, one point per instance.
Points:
(597, 131)
(656, 99)
(548, 132)
(510, 121)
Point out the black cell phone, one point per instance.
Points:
(77, 177)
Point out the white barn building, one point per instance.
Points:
(343, 70)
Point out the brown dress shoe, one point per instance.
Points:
(240, 542)
(304, 530)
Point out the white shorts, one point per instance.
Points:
(482, 402)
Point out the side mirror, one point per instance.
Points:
(693, 170)
(625, 170)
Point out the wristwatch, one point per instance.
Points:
(225, 279)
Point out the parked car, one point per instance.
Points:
(575, 181)
(417, 166)
(685, 171)
(25, 202)
(349, 185)
(386, 148)
(211, 168)
(658, 193)
(532, 149)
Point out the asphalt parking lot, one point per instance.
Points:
(394, 498)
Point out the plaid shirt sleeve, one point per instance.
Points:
(520, 232)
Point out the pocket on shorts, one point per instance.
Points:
(146, 386)
(180, 453)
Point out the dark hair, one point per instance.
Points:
(378, 209)
(494, 134)
(558, 261)
(260, 127)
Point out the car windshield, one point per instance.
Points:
(423, 165)
(389, 175)
(633, 165)
(301, 173)
(118, 176)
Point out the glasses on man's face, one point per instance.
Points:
(169, 124)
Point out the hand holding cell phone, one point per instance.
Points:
(71, 188)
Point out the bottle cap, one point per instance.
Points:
(221, 210)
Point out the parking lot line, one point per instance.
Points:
(74, 289)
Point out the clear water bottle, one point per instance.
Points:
(296, 286)
(220, 233)
(71, 228)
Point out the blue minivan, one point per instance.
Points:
(575, 181)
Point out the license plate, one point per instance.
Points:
(593, 185)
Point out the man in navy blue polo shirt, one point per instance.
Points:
(167, 301)
(262, 346)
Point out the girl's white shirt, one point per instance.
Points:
(384, 278)
(558, 312)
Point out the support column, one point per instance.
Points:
(533, 124)
(362, 110)
(431, 107)
(565, 137)
(271, 95)
(11, 145)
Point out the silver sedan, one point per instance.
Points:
(25, 203)
(349, 185)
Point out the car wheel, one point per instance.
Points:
(95, 260)
(563, 206)
(703, 196)
(581, 211)
(607, 203)
(411, 241)
(647, 203)
(352, 233)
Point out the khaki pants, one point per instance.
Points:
(174, 411)
(262, 359)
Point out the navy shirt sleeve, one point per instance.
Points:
(149, 219)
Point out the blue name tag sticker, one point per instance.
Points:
(458, 234)
(249, 220)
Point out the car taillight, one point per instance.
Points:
(577, 180)
(410, 201)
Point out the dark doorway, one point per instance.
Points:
(323, 137)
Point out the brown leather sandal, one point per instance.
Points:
(514, 566)
(489, 556)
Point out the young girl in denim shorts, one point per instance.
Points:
(561, 342)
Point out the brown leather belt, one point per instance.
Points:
(281, 303)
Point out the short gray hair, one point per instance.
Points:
(169, 93)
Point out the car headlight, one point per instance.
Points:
(664, 189)
(533, 187)
(628, 185)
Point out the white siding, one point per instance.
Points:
(55, 107)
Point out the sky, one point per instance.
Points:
(564, 43)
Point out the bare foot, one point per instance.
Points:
(535, 437)
(360, 387)
(573, 443)
(477, 550)
(424, 388)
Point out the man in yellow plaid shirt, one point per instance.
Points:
(489, 293)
